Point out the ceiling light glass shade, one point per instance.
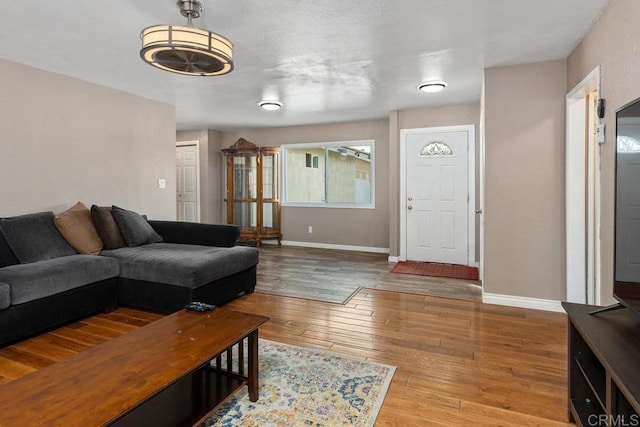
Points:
(186, 50)
(270, 105)
(432, 87)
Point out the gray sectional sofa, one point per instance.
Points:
(45, 282)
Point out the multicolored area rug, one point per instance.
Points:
(308, 387)
(437, 270)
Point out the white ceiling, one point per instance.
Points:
(326, 60)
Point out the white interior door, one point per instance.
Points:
(187, 204)
(582, 193)
(437, 197)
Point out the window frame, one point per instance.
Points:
(325, 145)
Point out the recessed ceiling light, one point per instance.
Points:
(270, 105)
(432, 87)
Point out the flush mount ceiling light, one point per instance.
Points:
(270, 105)
(432, 87)
(186, 49)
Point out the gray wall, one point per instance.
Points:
(612, 43)
(64, 140)
(352, 227)
(524, 180)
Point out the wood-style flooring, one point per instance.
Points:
(460, 362)
(334, 276)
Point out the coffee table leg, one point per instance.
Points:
(252, 382)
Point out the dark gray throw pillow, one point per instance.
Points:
(34, 237)
(107, 227)
(7, 257)
(135, 229)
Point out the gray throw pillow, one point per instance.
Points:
(34, 237)
(107, 227)
(135, 229)
(7, 257)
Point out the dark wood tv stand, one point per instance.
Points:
(604, 359)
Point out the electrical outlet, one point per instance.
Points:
(310, 229)
(162, 183)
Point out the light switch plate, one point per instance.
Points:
(162, 183)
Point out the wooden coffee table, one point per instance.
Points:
(160, 374)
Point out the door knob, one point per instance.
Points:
(409, 207)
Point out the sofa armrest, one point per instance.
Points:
(220, 235)
(5, 295)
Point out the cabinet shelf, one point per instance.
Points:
(595, 377)
(584, 412)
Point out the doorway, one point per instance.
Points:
(437, 204)
(188, 181)
(582, 189)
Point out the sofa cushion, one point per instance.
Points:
(5, 296)
(107, 227)
(77, 228)
(189, 266)
(41, 279)
(135, 228)
(34, 237)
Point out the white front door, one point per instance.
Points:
(187, 183)
(437, 197)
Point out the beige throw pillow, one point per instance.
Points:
(77, 228)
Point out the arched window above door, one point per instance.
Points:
(436, 149)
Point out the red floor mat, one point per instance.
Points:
(436, 270)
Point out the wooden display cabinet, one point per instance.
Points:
(253, 191)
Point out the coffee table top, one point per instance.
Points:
(96, 386)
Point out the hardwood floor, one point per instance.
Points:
(333, 276)
(460, 362)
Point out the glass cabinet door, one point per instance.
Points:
(244, 176)
(245, 215)
(269, 216)
(245, 194)
(270, 191)
(269, 175)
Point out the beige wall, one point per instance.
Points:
(64, 140)
(352, 227)
(211, 173)
(613, 44)
(454, 115)
(524, 180)
(376, 228)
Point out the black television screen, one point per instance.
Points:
(626, 287)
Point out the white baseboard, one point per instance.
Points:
(393, 258)
(522, 302)
(329, 246)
